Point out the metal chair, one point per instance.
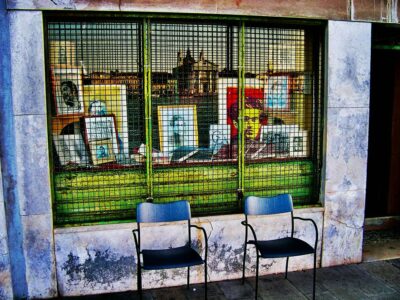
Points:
(179, 257)
(282, 247)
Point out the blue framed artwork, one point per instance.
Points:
(278, 93)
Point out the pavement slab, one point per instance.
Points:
(369, 280)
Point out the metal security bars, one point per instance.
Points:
(165, 109)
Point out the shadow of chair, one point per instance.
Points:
(282, 247)
(178, 257)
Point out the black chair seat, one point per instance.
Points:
(283, 247)
(170, 258)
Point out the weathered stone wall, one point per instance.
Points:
(101, 259)
(6, 291)
(25, 159)
(361, 10)
(348, 86)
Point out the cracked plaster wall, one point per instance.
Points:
(101, 259)
(349, 53)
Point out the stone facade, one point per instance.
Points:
(85, 256)
(101, 258)
(349, 52)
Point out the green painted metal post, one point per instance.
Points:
(148, 106)
(241, 105)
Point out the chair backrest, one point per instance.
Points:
(163, 212)
(254, 205)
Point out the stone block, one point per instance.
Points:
(27, 63)
(6, 291)
(33, 169)
(346, 207)
(347, 149)
(349, 55)
(38, 247)
(93, 261)
(343, 228)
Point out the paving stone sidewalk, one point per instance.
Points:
(369, 280)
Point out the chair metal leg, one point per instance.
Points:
(139, 282)
(287, 264)
(205, 280)
(244, 263)
(188, 277)
(257, 276)
(314, 273)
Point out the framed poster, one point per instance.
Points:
(219, 136)
(278, 137)
(71, 149)
(278, 93)
(224, 84)
(67, 91)
(298, 144)
(100, 100)
(177, 126)
(101, 151)
(101, 128)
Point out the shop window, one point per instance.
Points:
(160, 110)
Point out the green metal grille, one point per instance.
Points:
(166, 109)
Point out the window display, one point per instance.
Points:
(185, 109)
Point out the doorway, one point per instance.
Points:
(383, 185)
(382, 223)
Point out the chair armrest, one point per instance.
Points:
(244, 223)
(315, 227)
(137, 243)
(205, 238)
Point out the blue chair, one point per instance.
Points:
(282, 247)
(179, 257)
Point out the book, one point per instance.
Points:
(203, 154)
(183, 153)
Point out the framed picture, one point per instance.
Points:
(71, 149)
(227, 83)
(62, 53)
(101, 128)
(255, 94)
(100, 100)
(101, 151)
(177, 126)
(220, 135)
(67, 91)
(278, 138)
(278, 93)
(298, 144)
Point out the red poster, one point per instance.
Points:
(232, 97)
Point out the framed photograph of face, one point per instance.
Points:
(100, 100)
(67, 91)
(177, 126)
(101, 128)
(101, 151)
(278, 93)
(220, 135)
